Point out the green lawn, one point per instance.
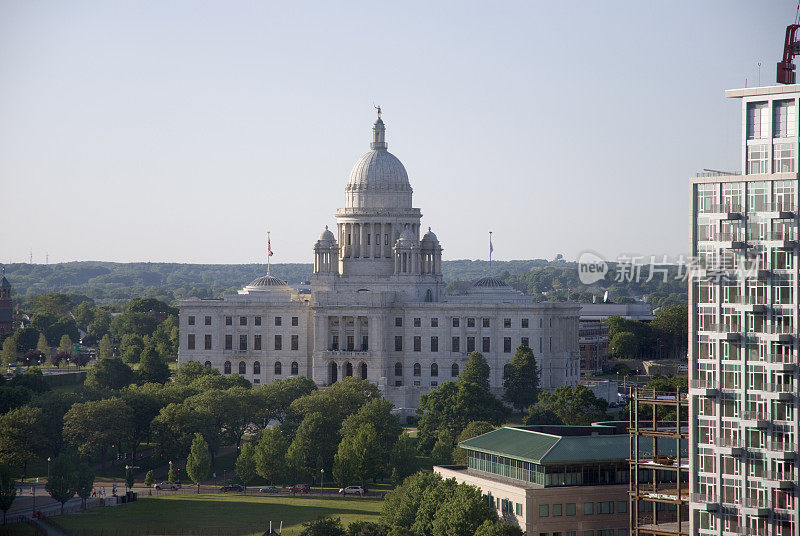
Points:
(215, 515)
(16, 529)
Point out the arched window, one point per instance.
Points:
(256, 368)
(363, 371)
(348, 369)
(434, 370)
(295, 368)
(242, 368)
(398, 369)
(417, 369)
(334, 373)
(208, 363)
(277, 368)
(227, 367)
(454, 370)
(428, 296)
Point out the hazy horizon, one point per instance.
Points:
(181, 132)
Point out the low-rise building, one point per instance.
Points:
(593, 342)
(552, 480)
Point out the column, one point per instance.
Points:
(376, 236)
(388, 247)
(342, 334)
(367, 244)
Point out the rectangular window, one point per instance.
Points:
(544, 510)
(398, 343)
(434, 322)
(256, 342)
(470, 322)
(757, 120)
(456, 342)
(398, 321)
(417, 322)
(470, 344)
(278, 342)
(605, 507)
(417, 344)
(588, 533)
(486, 322)
(208, 342)
(757, 158)
(588, 508)
(208, 321)
(368, 239)
(556, 510)
(524, 342)
(242, 320)
(622, 507)
(506, 345)
(519, 509)
(524, 322)
(190, 342)
(242, 342)
(257, 320)
(278, 320)
(456, 322)
(295, 342)
(570, 509)
(434, 344)
(783, 158)
(783, 119)
(506, 322)
(487, 346)
(295, 321)
(228, 320)
(191, 321)
(229, 342)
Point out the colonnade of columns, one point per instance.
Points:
(358, 327)
(368, 240)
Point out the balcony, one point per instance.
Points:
(725, 332)
(353, 354)
(705, 388)
(708, 503)
(755, 507)
(781, 391)
(781, 362)
(784, 450)
(755, 419)
(729, 446)
(783, 480)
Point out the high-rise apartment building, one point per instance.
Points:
(743, 326)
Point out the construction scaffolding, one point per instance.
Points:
(659, 463)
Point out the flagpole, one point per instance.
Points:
(490, 251)
(268, 252)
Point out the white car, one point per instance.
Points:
(167, 485)
(352, 490)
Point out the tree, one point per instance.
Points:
(542, 416)
(190, 371)
(145, 406)
(442, 453)
(403, 459)
(172, 474)
(198, 464)
(94, 426)
(401, 505)
(53, 303)
(150, 478)
(175, 426)
(131, 347)
(246, 464)
(463, 513)
(109, 373)
(500, 528)
(378, 413)
(43, 346)
(20, 436)
(473, 429)
(270, 455)
(323, 526)
(65, 345)
(27, 338)
(8, 491)
(367, 528)
(61, 483)
(105, 347)
(83, 480)
(9, 350)
(152, 367)
(358, 456)
(573, 405)
(521, 379)
(624, 344)
(673, 320)
(476, 370)
(314, 442)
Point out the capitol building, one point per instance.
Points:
(377, 308)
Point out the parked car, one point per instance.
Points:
(268, 489)
(352, 490)
(230, 487)
(299, 488)
(167, 485)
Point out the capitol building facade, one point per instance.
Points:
(377, 308)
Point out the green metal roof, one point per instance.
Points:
(544, 449)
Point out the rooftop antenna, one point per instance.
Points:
(759, 74)
(47, 258)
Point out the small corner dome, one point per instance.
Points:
(326, 236)
(429, 236)
(490, 282)
(267, 281)
(406, 235)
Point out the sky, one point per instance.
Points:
(183, 131)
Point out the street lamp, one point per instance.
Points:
(322, 481)
(48, 467)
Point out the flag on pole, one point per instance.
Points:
(491, 247)
(269, 246)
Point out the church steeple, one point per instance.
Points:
(378, 133)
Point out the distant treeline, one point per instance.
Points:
(109, 282)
